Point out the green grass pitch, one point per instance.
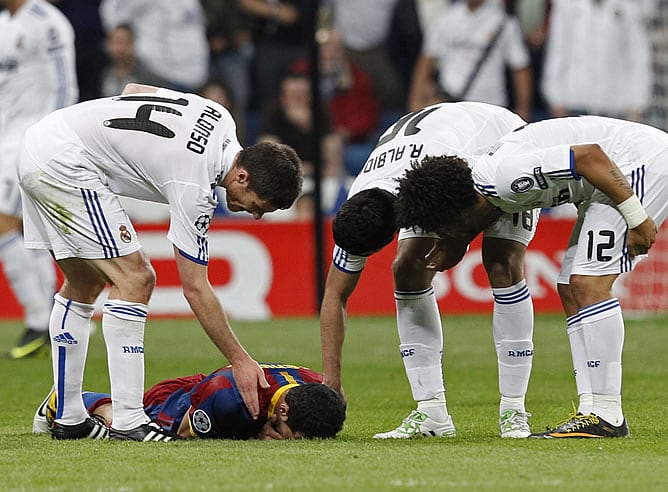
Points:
(378, 398)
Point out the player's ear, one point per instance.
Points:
(242, 176)
(282, 411)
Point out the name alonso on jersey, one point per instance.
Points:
(199, 136)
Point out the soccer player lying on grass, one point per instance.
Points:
(296, 405)
(620, 204)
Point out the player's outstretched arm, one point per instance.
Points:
(202, 299)
(338, 288)
(593, 164)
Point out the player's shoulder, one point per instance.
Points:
(43, 11)
(43, 17)
(456, 113)
(198, 102)
(487, 110)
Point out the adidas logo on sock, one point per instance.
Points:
(65, 338)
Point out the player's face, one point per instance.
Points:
(276, 428)
(248, 201)
(286, 432)
(240, 199)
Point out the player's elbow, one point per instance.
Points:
(587, 157)
(194, 292)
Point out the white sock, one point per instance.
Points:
(513, 335)
(435, 408)
(609, 408)
(31, 280)
(69, 333)
(511, 403)
(580, 370)
(123, 329)
(603, 328)
(421, 342)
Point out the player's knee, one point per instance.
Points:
(143, 281)
(148, 278)
(499, 273)
(84, 289)
(503, 261)
(409, 272)
(95, 286)
(506, 272)
(403, 264)
(567, 299)
(587, 290)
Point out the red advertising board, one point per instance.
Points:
(264, 269)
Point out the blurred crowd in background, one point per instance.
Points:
(378, 60)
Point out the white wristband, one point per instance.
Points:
(633, 211)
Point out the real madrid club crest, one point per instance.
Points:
(125, 234)
(202, 223)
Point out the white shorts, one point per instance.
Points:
(519, 227)
(598, 242)
(85, 222)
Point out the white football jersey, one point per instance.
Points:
(37, 67)
(166, 147)
(464, 128)
(533, 167)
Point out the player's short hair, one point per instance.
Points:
(274, 172)
(315, 410)
(365, 223)
(434, 193)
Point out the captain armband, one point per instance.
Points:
(632, 211)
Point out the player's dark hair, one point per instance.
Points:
(434, 193)
(365, 223)
(274, 172)
(315, 410)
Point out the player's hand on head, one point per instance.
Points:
(641, 238)
(249, 375)
(335, 384)
(269, 432)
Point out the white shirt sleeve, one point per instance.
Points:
(557, 162)
(531, 180)
(190, 217)
(346, 262)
